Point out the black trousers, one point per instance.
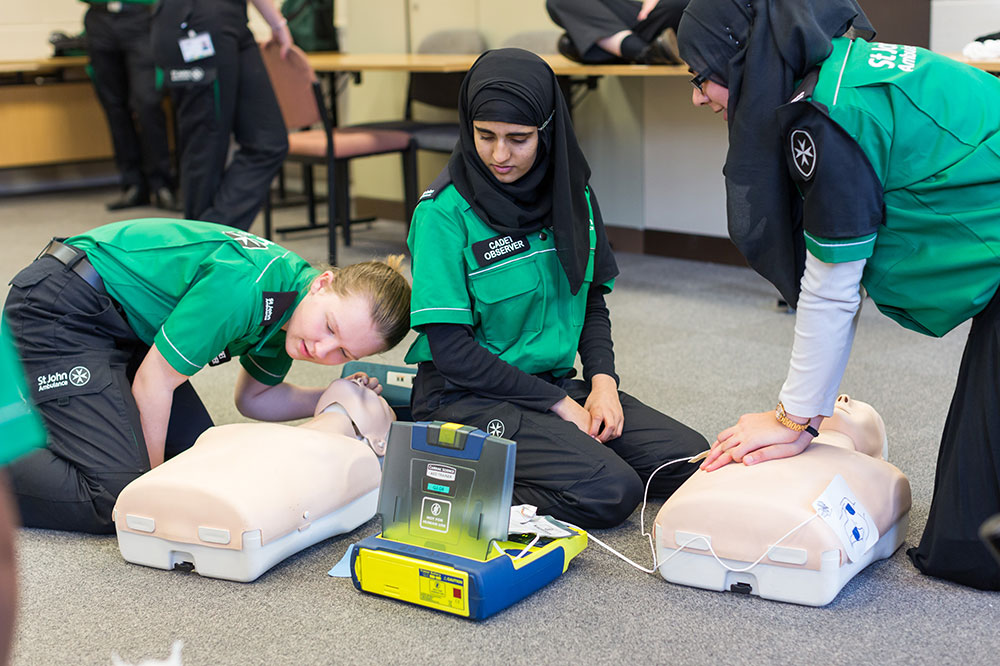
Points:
(569, 475)
(121, 57)
(225, 96)
(588, 21)
(80, 357)
(967, 480)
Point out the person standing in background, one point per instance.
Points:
(124, 77)
(213, 68)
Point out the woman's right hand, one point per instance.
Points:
(570, 410)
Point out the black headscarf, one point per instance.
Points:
(758, 49)
(516, 86)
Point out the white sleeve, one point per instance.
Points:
(827, 316)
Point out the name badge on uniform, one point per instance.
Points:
(498, 248)
(275, 304)
(196, 46)
(223, 357)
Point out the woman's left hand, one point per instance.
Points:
(605, 409)
(366, 381)
(283, 37)
(755, 438)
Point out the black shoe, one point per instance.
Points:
(566, 48)
(131, 196)
(661, 51)
(166, 199)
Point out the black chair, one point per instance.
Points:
(434, 90)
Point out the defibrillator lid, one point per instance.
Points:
(447, 487)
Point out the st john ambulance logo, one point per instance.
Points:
(803, 153)
(79, 376)
(495, 428)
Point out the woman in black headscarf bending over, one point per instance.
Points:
(854, 164)
(510, 267)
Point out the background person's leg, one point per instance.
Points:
(198, 90)
(260, 131)
(111, 83)
(146, 102)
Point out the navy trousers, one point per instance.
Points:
(80, 357)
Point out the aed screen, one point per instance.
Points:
(438, 488)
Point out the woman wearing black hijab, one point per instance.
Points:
(854, 164)
(510, 266)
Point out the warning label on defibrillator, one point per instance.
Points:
(435, 514)
(442, 589)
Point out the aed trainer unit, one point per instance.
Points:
(445, 508)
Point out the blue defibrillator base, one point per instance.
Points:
(445, 508)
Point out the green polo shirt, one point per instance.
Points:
(513, 292)
(197, 289)
(930, 127)
(20, 428)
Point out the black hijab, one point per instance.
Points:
(758, 49)
(516, 86)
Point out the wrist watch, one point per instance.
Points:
(779, 414)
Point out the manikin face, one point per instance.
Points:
(712, 95)
(507, 150)
(330, 329)
(368, 410)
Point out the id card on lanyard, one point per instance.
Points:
(196, 46)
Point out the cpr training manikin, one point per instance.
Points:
(247, 496)
(795, 529)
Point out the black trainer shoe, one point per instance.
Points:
(661, 51)
(566, 48)
(166, 199)
(131, 196)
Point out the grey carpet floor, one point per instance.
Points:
(704, 343)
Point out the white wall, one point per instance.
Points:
(955, 23)
(25, 26)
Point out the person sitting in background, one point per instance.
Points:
(611, 31)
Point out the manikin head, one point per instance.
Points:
(368, 411)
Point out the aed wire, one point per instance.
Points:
(681, 547)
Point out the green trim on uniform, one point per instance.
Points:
(839, 250)
(197, 289)
(519, 307)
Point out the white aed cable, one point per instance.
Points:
(652, 546)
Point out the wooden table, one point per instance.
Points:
(443, 64)
(42, 65)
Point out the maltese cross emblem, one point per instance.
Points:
(248, 240)
(803, 153)
(495, 428)
(79, 376)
